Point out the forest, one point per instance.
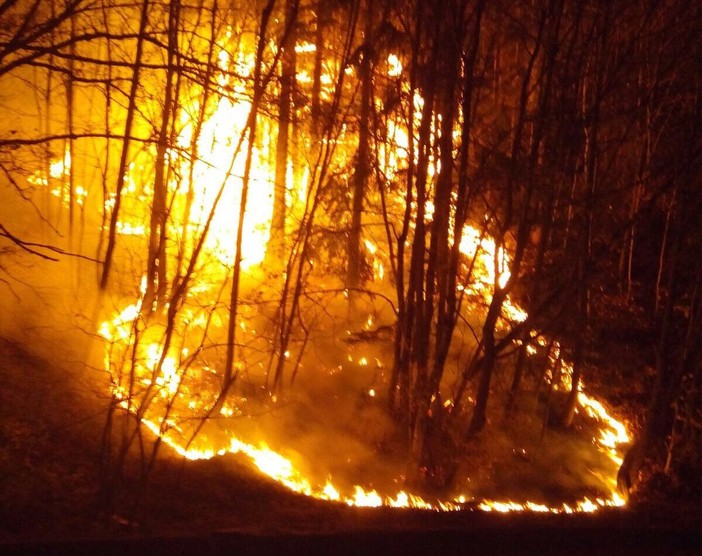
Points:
(438, 254)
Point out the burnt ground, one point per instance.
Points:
(51, 419)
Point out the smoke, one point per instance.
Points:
(49, 302)
(331, 423)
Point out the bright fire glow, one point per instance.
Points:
(218, 167)
(281, 469)
(490, 265)
(215, 168)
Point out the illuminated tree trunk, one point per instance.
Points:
(413, 369)
(317, 124)
(288, 318)
(557, 155)
(518, 215)
(362, 167)
(109, 86)
(204, 102)
(258, 89)
(399, 388)
(70, 107)
(450, 213)
(48, 119)
(156, 272)
(544, 236)
(124, 157)
(444, 254)
(428, 309)
(487, 363)
(276, 246)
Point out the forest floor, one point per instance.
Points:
(51, 419)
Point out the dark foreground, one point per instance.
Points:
(50, 414)
(495, 539)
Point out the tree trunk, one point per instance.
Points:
(276, 245)
(479, 417)
(229, 376)
(362, 167)
(317, 125)
(124, 157)
(156, 272)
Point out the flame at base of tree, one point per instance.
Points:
(168, 372)
(282, 470)
(166, 391)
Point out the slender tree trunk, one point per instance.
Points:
(317, 126)
(124, 157)
(661, 257)
(156, 273)
(399, 381)
(479, 417)
(659, 407)
(516, 215)
(362, 168)
(440, 283)
(276, 245)
(229, 376)
(70, 107)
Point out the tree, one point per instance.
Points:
(276, 247)
(362, 166)
(126, 142)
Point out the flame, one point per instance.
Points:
(394, 66)
(214, 168)
(281, 469)
(478, 245)
(195, 184)
(217, 167)
(585, 506)
(612, 433)
(59, 174)
(491, 269)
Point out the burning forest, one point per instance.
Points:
(379, 249)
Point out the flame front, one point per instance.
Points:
(612, 435)
(170, 377)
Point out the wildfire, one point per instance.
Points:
(58, 179)
(283, 471)
(165, 373)
(216, 167)
(585, 505)
(146, 371)
(492, 267)
(613, 434)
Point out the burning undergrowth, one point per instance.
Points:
(334, 302)
(326, 430)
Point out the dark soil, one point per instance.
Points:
(51, 419)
